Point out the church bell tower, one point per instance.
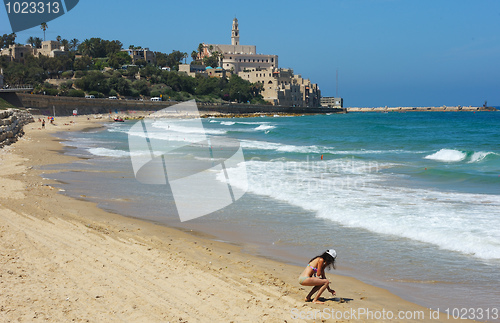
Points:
(235, 33)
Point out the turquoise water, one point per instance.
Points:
(411, 201)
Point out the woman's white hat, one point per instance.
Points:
(332, 253)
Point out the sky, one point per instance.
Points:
(386, 52)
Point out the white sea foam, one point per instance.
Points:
(186, 127)
(313, 149)
(348, 192)
(264, 127)
(447, 155)
(227, 123)
(105, 152)
(479, 156)
(117, 153)
(266, 145)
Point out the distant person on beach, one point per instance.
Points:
(314, 275)
(43, 124)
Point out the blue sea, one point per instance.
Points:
(410, 201)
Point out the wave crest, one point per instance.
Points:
(448, 155)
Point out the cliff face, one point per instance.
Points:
(11, 125)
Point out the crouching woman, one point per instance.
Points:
(314, 275)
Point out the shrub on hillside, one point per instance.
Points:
(76, 93)
(67, 74)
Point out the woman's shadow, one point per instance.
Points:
(336, 299)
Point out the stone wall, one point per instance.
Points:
(11, 125)
(64, 106)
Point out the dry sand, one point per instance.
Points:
(63, 259)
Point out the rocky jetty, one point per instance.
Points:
(11, 125)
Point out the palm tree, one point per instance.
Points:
(194, 55)
(58, 38)
(200, 49)
(74, 44)
(85, 47)
(65, 43)
(38, 42)
(185, 56)
(44, 27)
(31, 41)
(10, 40)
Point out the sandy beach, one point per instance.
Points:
(63, 259)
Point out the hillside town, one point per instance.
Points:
(142, 73)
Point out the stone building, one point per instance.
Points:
(51, 48)
(141, 53)
(332, 102)
(192, 70)
(279, 86)
(237, 57)
(17, 53)
(282, 87)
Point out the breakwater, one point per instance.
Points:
(421, 109)
(11, 125)
(65, 106)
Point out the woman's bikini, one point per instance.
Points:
(302, 278)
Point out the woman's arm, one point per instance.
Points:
(321, 269)
(321, 274)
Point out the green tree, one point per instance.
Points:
(120, 85)
(97, 47)
(38, 42)
(132, 71)
(141, 86)
(161, 59)
(194, 55)
(174, 59)
(31, 41)
(76, 93)
(119, 59)
(74, 44)
(141, 62)
(211, 61)
(83, 63)
(200, 49)
(7, 40)
(65, 43)
(93, 81)
(207, 86)
(239, 89)
(149, 71)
